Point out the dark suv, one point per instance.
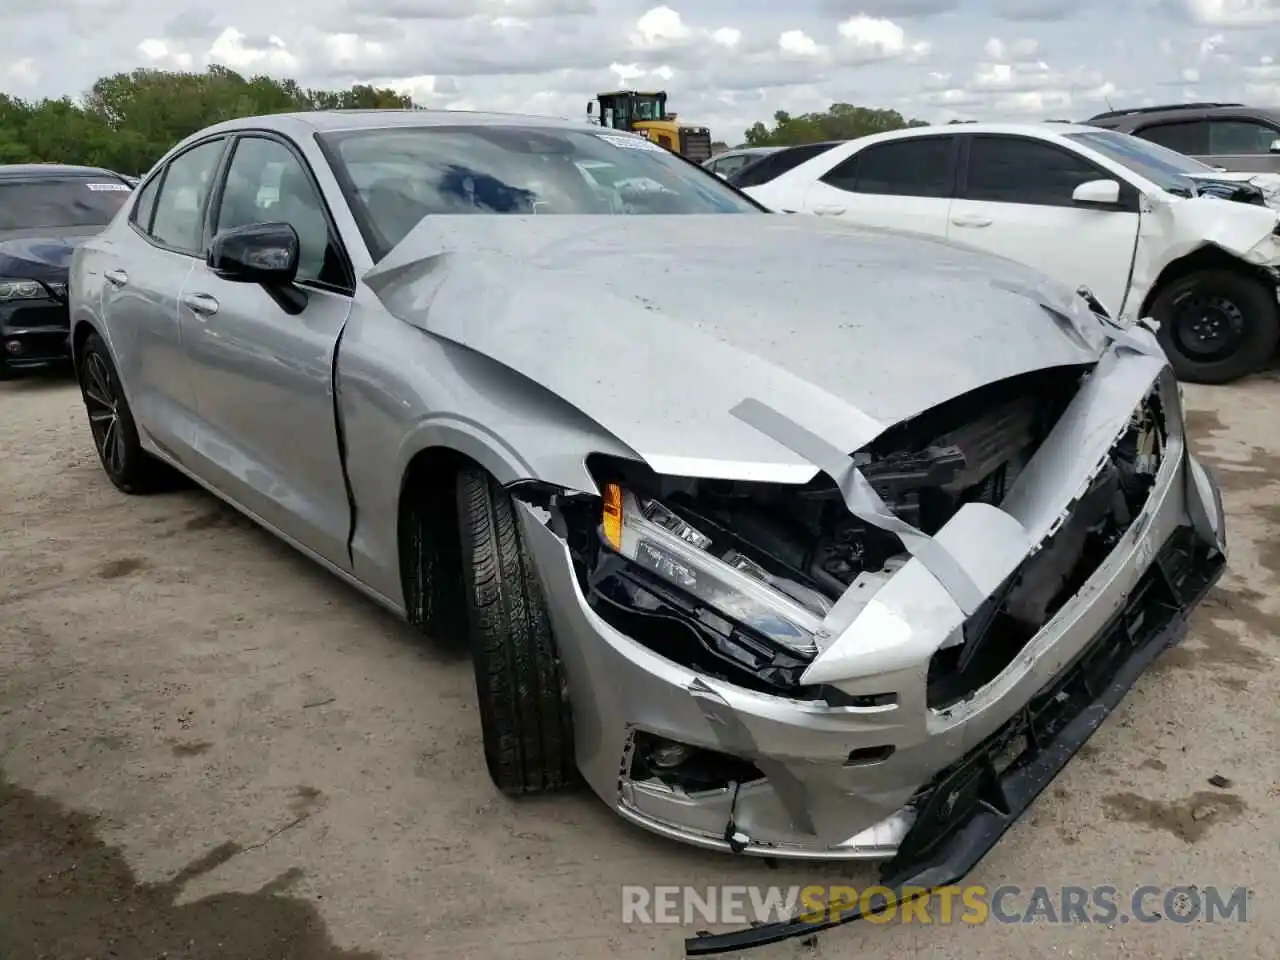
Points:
(46, 211)
(1228, 135)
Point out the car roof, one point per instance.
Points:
(1190, 111)
(39, 171)
(329, 121)
(1049, 130)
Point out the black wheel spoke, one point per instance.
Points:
(91, 393)
(115, 447)
(101, 382)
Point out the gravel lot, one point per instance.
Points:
(210, 748)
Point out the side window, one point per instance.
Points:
(1227, 137)
(1189, 138)
(1020, 170)
(917, 167)
(179, 209)
(758, 171)
(731, 165)
(790, 159)
(266, 182)
(145, 204)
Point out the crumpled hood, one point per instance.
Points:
(656, 327)
(38, 255)
(1268, 184)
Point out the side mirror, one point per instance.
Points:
(1097, 193)
(1275, 147)
(265, 253)
(591, 107)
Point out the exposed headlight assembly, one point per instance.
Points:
(656, 539)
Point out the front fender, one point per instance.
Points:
(1172, 230)
(401, 390)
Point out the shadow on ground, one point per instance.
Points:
(66, 895)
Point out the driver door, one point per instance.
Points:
(263, 376)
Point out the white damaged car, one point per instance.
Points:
(1150, 232)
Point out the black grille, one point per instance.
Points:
(38, 316)
(695, 145)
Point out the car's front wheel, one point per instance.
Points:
(524, 709)
(1217, 325)
(115, 435)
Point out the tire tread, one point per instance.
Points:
(527, 734)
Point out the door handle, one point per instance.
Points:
(202, 303)
(971, 220)
(828, 210)
(117, 277)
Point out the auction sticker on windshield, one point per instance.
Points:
(631, 143)
(123, 187)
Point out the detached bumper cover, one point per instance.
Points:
(965, 810)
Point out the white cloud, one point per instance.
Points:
(1234, 13)
(724, 64)
(23, 72)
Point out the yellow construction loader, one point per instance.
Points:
(646, 113)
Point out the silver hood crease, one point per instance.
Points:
(670, 310)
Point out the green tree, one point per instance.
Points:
(842, 121)
(127, 121)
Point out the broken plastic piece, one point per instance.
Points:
(864, 503)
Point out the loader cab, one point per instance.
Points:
(624, 108)
(646, 113)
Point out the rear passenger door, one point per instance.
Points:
(902, 184)
(1015, 201)
(144, 277)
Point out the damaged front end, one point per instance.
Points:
(855, 667)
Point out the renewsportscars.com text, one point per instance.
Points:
(969, 904)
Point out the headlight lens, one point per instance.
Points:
(653, 537)
(21, 290)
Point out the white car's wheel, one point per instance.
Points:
(1217, 325)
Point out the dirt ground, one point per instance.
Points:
(210, 748)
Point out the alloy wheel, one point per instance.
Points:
(103, 403)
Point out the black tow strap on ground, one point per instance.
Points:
(1055, 724)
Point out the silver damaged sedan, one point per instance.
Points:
(790, 539)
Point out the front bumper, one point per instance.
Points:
(33, 334)
(854, 781)
(967, 808)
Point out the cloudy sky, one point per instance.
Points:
(724, 62)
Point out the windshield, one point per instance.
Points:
(60, 203)
(1166, 168)
(398, 176)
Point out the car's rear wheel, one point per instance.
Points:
(115, 435)
(524, 710)
(1217, 325)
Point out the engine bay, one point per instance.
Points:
(803, 542)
